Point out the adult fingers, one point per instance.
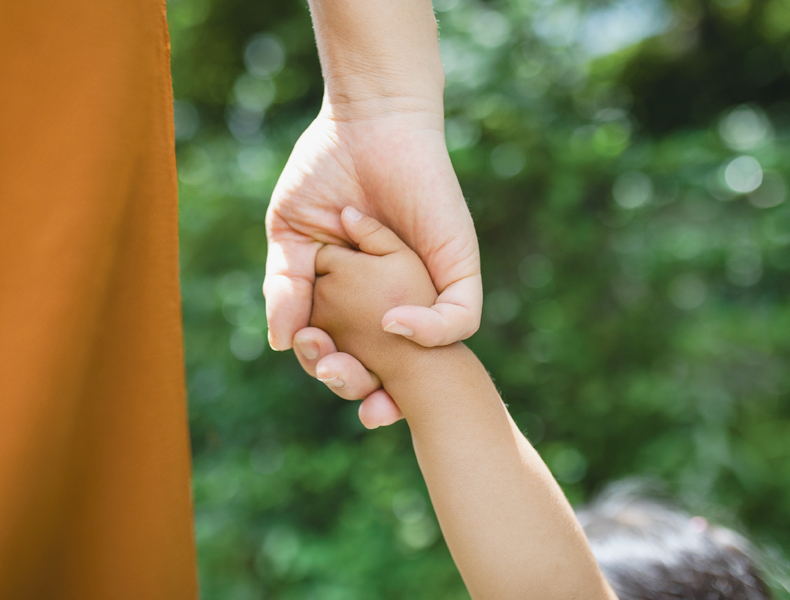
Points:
(346, 376)
(379, 410)
(317, 354)
(288, 288)
(368, 234)
(341, 372)
(447, 244)
(455, 316)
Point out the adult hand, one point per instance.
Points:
(391, 164)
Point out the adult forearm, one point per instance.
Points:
(375, 50)
(505, 519)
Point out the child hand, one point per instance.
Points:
(355, 289)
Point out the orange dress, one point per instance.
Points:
(94, 452)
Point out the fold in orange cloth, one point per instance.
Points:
(94, 452)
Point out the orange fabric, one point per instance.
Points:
(94, 453)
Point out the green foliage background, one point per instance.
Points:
(636, 313)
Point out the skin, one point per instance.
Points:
(507, 523)
(377, 145)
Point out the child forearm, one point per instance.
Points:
(507, 523)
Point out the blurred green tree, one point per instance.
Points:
(626, 164)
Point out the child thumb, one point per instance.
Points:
(368, 234)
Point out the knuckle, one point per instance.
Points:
(469, 331)
(266, 288)
(373, 228)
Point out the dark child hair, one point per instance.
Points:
(650, 551)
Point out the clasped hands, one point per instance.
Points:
(396, 169)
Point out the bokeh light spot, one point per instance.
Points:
(419, 534)
(247, 343)
(409, 506)
(264, 55)
(256, 162)
(743, 174)
(245, 124)
(461, 133)
(239, 308)
(507, 160)
(281, 546)
(255, 95)
(610, 139)
(490, 29)
(567, 464)
(632, 189)
(744, 128)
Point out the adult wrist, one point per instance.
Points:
(425, 112)
(379, 52)
(370, 80)
(376, 89)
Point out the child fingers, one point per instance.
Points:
(310, 346)
(368, 234)
(379, 410)
(329, 257)
(346, 376)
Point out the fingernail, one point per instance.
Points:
(308, 348)
(272, 344)
(353, 214)
(398, 329)
(335, 382)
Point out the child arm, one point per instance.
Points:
(507, 523)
